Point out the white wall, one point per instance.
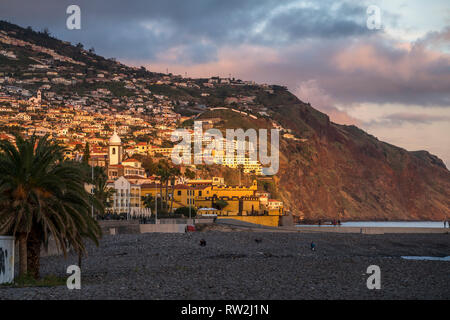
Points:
(6, 259)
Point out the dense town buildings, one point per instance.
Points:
(131, 185)
(116, 115)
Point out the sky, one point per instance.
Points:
(392, 81)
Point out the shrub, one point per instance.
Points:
(185, 211)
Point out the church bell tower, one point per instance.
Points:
(115, 150)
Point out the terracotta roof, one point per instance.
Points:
(130, 160)
(134, 177)
(149, 185)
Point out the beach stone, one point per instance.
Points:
(234, 266)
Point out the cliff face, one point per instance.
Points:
(342, 172)
(332, 171)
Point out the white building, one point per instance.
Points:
(115, 150)
(126, 197)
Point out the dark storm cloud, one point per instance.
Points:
(120, 28)
(143, 29)
(325, 41)
(326, 21)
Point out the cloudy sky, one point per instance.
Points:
(394, 82)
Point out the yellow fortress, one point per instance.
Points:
(238, 202)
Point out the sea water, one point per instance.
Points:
(384, 224)
(426, 258)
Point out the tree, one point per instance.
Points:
(78, 148)
(174, 172)
(43, 195)
(86, 153)
(185, 211)
(148, 201)
(163, 172)
(150, 167)
(102, 193)
(220, 204)
(240, 168)
(189, 174)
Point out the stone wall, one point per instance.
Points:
(119, 226)
(270, 221)
(163, 228)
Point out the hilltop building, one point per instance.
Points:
(37, 99)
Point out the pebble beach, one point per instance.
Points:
(246, 265)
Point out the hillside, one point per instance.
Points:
(326, 170)
(345, 171)
(341, 172)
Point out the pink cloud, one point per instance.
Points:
(310, 91)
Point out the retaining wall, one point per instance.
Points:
(270, 221)
(163, 228)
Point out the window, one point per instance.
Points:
(199, 193)
(179, 192)
(113, 150)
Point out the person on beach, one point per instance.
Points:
(313, 246)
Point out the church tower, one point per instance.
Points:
(115, 150)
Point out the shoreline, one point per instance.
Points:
(333, 229)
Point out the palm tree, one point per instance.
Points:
(189, 174)
(240, 168)
(86, 153)
(148, 201)
(174, 172)
(78, 148)
(102, 193)
(163, 172)
(43, 195)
